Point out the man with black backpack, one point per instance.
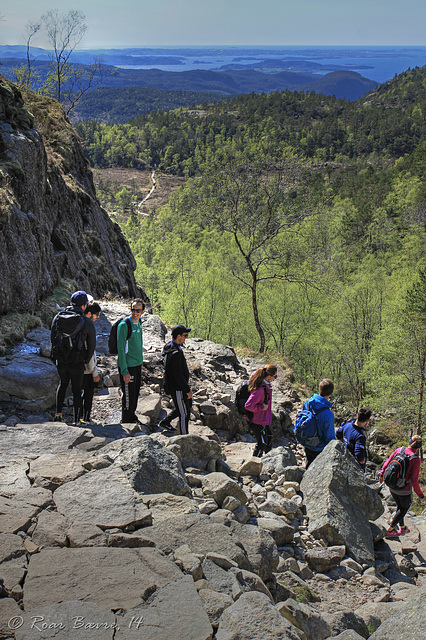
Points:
(130, 358)
(73, 340)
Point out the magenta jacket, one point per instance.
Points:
(256, 401)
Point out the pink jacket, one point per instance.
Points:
(412, 476)
(255, 403)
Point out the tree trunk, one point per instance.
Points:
(256, 314)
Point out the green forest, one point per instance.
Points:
(299, 232)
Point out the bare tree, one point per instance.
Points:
(64, 31)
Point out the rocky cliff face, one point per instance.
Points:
(52, 226)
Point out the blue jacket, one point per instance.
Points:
(354, 439)
(325, 420)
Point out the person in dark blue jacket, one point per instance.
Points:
(353, 435)
(321, 405)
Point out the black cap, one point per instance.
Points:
(79, 298)
(178, 329)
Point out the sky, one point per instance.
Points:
(147, 23)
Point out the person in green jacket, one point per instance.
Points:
(130, 358)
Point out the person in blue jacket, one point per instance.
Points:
(353, 435)
(325, 419)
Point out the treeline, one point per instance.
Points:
(389, 123)
(120, 104)
(301, 229)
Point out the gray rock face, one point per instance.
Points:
(149, 466)
(339, 503)
(103, 498)
(195, 451)
(150, 406)
(113, 578)
(253, 616)
(52, 219)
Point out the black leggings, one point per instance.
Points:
(70, 373)
(87, 395)
(403, 504)
(263, 435)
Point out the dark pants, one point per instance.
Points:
(310, 456)
(70, 373)
(87, 395)
(403, 504)
(130, 397)
(182, 410)
(263, 435)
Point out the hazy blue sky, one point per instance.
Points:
(219, 22)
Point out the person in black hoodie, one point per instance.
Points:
(176, 380)
(73, 340)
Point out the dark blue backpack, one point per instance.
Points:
(306, 427)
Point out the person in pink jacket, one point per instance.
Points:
(260, 404)
(403, 496)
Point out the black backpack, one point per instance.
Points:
(68, 346)
(112, 340)
(396, 470)
(242, 395)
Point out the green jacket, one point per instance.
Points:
(130, 352)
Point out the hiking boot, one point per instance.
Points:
(163, 424)
(57, 418)
(392, 533)
(403, 530)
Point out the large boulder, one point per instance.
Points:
(195, 451)
(260, 547)
(149, 466)
(219, 486)
(339, 504)
(29, 379)
(254, 616)
(276, 460)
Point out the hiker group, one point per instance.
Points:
(73, 340)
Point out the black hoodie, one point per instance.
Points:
(176, 373)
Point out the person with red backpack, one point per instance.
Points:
(260, 404)
(410, 480)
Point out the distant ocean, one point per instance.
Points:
(375, 63)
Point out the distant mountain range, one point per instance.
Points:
(269, 75)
